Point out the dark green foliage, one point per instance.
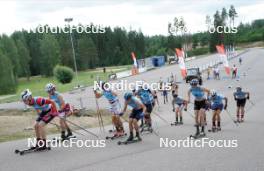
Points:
(50, 52)
(63, 74)
(7, 79)
(198, 51)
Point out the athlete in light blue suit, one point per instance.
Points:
(199, 104)
(217, 105)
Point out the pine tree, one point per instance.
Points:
(7, 79)
(50, 52)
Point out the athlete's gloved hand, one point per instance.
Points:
(185, 109)
(225, 107)
(173, 110)
(248, 97)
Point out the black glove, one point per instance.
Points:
(248, 97)
(225, 107)
(173, 110)
(185, 109)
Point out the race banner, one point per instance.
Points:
(135, 65)
(180, 55)
(134, 59)
(222, 54)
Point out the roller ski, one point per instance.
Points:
(130, 140)
(111, 130)
(215, 129)
(116, 135)
(177, 123)
(198, 135)
(146, 128)
(238, 121)
(32, 149)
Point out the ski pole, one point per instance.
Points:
(82, 128)
(189, 113)
(57, 126)
(160, 117)
(228, 113)
(100, 119)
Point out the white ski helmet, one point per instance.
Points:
(50, 87)
(26, 94)
(213, 93)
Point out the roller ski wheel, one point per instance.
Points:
(198, 136)
(128, 142)
(116, 136)
(146, 129)
(212, 130)
(30, 150)
(174, 123)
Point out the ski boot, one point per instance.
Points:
(69, 134)
(202, 134)
(138, 136)
(63, 137)
(219, 128)
(214, 129)
(131, 137)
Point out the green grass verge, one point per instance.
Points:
(37, 83)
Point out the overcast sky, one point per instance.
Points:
(151, 16)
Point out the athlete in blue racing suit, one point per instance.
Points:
(241, 98)
(138, 110)
(199, 104)
(217, 105)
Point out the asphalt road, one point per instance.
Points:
(148, 155)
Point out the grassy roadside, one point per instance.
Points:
(17, 124)
(37, 83)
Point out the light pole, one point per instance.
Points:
(68, 20)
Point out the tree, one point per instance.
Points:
(33, 42)
(23, 54)
(232, 15)
(9, 48)
(224, 16)
(50, 52)
(65, 49)
(7, 79)
(63, 74)
(24, 59)
(87, 56)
